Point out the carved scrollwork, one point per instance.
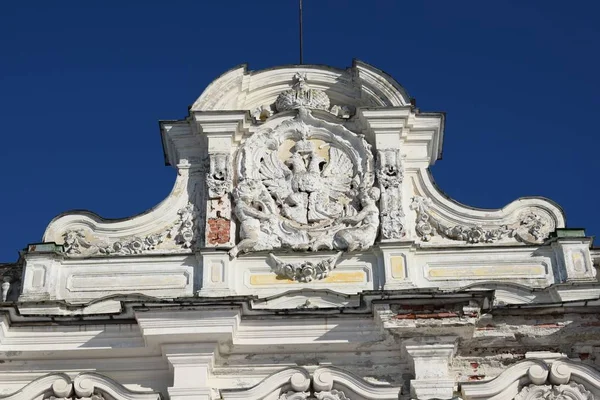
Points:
(530, 227)
(305, 271)
(86, 386)
(328, 395)
(79, 243)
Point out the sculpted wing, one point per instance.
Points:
(276, 176)
(337, 175)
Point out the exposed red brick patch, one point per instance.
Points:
(218, 231)
(427, 316)
(474, 365)
(476, 377)
(548, 325)
(584, 356)
(406, 316)
(488, 327)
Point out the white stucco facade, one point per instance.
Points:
(304, 252)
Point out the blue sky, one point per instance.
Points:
(83, 84)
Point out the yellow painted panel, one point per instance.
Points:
(334, 277)
(491, 271)
(397, 266)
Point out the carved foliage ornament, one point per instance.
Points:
(571, 391)
(530, 227)
(304, 271)
(325, 395)
(306, 185)
(78, 244)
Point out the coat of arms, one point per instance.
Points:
(306, 185)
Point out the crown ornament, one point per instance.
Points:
(301, 95)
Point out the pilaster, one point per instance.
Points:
(191, 364)
(41, 272)
(431, 358)
(216, 274)
(395, 258)
(573, 257)
(220, 130)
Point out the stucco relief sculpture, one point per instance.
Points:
(301, 95)
(305, 185)
(389, 176)
(329, 395)
(219, 177)
(305, 271)
(81, 243)
(571, 391)
(530, 226)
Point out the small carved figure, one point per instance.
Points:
(254, 210)
(365, 224)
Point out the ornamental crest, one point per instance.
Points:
(306, 185)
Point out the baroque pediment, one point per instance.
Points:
(307, 177)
